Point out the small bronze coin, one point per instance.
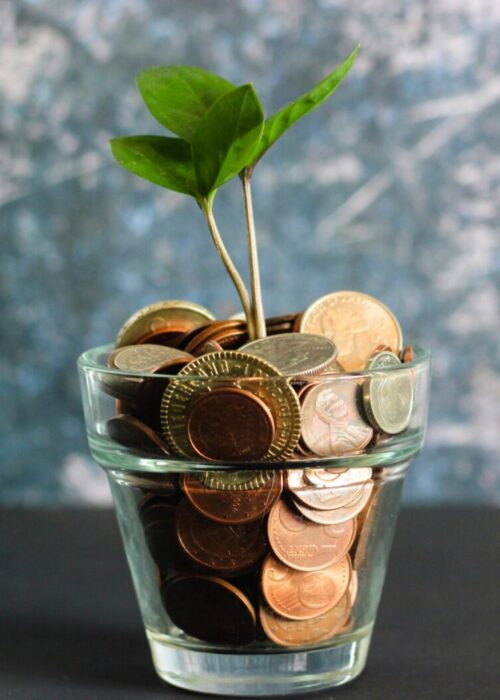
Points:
(169, 338)
(302, 595)
(134, 434)
(332, 423)
(210, 331)
(210, 609)
(346, 487)
(229, 424)
(337, 515)
(230, 550)
(232, 507)
(407, 354)
(298, 633)
(162, 316)
(209, 346)
(304, 545)
(322, 477)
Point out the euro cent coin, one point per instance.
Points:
(230, 424)
(388, 396)
(298, 633)
(357, 323)
(177, 315)
(302, 595)
(304, 545)
(232, 507)
(227, 550)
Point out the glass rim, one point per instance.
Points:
(88, 361)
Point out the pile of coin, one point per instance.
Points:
(207, 392)
(255, 554)
(258, 550)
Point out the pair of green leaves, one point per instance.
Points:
(221, 128)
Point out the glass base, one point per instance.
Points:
(260, 674)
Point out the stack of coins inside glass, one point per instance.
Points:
(250, 550)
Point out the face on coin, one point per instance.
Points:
(210, 609)
(388, 397)
(295, 354)
(302, 595)
(357, 323)
(304, 545)
(228, 550)
(162, 316)
(230, 424)
(332, 423)
(295, 633)
(232, 507)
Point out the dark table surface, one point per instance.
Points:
(70, 627)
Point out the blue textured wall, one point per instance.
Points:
(391, 188)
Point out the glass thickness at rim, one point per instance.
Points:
(92, 361)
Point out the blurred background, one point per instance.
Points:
(391, 188)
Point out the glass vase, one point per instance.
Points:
(255, 578)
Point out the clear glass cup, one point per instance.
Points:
(210, 544)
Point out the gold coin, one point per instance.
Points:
(240, 480)
(294, 354)
(162, 315)
(388, 397)
(231, 369)
(356, 323)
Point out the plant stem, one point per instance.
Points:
(206, 207)
(257, 307)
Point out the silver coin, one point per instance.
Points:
(295, 354)
(388, 397)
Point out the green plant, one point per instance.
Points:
(220, 133)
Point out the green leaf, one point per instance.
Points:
(160, 159)
(178, 96)
(226, 137)
(280, 122)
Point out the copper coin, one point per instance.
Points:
(209, 331)
(229, 424)
(302, 595)
(322, 477)
(346, 487)
(232, 507)
(297, 633)
(209, 346)
(134, 434)
(353, 587)
(338, 515)
(168, 338)
(227, 549)
(210, 609)
(187, 337)
(356, 323)
(332, 422)
(407, 354)
(304, 545)
(162, 317)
